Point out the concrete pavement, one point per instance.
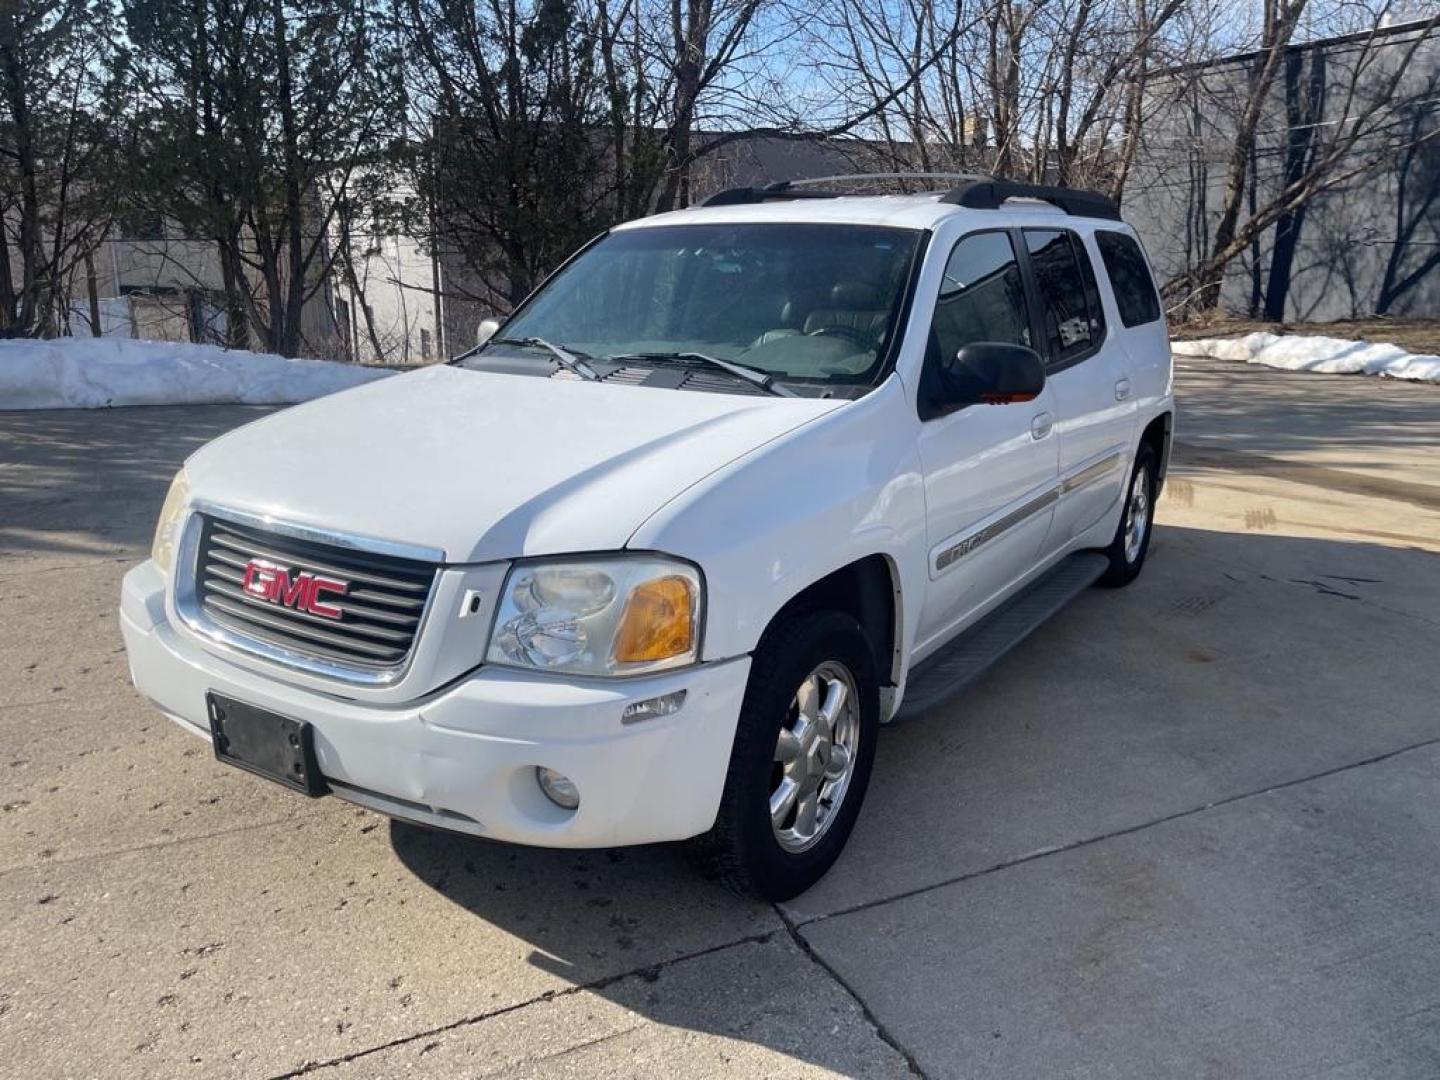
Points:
(1189, 828)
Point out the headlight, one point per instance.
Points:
(167, 529)
(611, 616)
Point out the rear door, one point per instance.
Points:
(1087, 372)
(989, 469)
(1139, 323)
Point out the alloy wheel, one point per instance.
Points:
(815, 756)
(1137, 515)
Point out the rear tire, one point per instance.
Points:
(803, 752)
(1128, 549)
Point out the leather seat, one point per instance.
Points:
(853, 306)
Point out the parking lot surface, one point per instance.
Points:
(1189, 828)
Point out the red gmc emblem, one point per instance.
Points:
(302, 591)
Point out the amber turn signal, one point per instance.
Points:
(658, 623)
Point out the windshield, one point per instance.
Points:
(794, 301)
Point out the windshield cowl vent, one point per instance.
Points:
(673, 378)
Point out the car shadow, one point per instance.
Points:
(1220, 672)
(641, 930)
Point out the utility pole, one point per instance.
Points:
(436, 303)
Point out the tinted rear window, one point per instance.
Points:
(1134, 288)
(1071, 327)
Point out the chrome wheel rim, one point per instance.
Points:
(1137, 515)
(815, 756)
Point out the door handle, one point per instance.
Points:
(1040, 426)
(1122, 388)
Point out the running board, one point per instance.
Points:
(960, 662)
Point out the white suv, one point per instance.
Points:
(656, 560)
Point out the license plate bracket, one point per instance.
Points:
(265, 743)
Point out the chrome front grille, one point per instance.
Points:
(379, 609)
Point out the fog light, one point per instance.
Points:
(650, 708)
(558, 788)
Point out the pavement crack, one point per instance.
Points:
(793, 929)
(648, 972)
(1059, 849)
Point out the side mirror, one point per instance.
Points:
(992, 373)
(486, 331)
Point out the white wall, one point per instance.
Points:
(396, 280)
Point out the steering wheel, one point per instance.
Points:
(859, 337)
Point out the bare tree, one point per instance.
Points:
(506, 103)
(1050, 90)
(1348, 117)
(59, 97)
(1417, 198)
(1281, 19)
(257, 118)
(1304, 95)
(1104, 50)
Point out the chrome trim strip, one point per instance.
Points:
(956, 552)
(335, 538)
(192, 614)
(1090, 473)
(1085, 477)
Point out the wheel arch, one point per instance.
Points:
(869, 590)
(1157, 435)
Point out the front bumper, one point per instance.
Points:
(464, 757)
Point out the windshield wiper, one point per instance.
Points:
(565, 357)
(753, 376)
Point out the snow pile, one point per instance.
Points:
(1327, 355)
(94, 373)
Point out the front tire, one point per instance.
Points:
(1128, 549)
(802, 758)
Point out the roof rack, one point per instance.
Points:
(974, 193)
(799, 189)
(951, 177)
(781, 189)
(989, 194)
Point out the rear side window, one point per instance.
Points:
(1092, 289)
(1073, 320)
(1130, 275)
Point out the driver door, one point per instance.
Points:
(990, 470)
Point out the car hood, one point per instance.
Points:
(487, 466)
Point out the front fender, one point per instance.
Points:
(843, 487)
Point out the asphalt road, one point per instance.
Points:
(1187, 829)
